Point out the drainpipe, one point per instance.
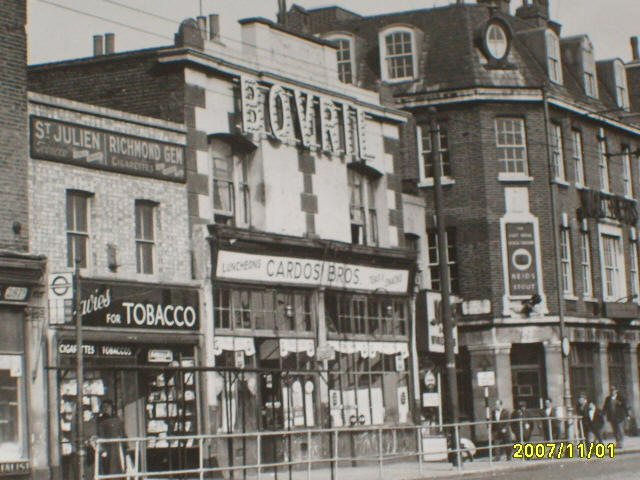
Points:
(556, 247)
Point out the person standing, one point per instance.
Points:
(592, 421)
(522, 427)
(581, 404)
(615, 408)
(550, 428)
(500, 431)
(111, 426)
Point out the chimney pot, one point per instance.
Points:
(635, 50)
(214, 26)
(97, 46)
(202, 26)
(109, 43)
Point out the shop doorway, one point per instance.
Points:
(528, 377)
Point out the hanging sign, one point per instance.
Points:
(435, 327)
(93, 148)
(521, 258)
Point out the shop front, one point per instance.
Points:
(140, 350)
(309, 334)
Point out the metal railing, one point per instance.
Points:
(324, 452)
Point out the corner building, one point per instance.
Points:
(295, 211)
(540, 173)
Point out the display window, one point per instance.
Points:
(12, 408)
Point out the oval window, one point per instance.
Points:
(496, 41)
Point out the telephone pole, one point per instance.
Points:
(80, 451)
(443, 257)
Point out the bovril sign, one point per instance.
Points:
(303, 271)
(129, 306)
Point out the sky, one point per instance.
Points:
(63, 29)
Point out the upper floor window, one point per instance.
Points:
(578, 164)
(397, 54)
(556, 150)
(510, 140)
(434, 260)
(626, 172)
(633, 269)
(565, 262)
(589, 70)
(622, 92)
(585, 263)
(613, 264)
(230, 185)
(77, 228)
(145, 237)
(345, 58)
(554, 60)
(497, 41)
(362, 209)
(603, 163)
(426, 153)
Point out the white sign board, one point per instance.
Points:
(305, 271)
(431, 399)
(435, 327)
(486, 378)
(160, 356)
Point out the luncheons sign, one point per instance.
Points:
(94, 148)
(312, 272)
(128, 306)
(521, 257)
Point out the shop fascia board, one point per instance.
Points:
(202, 60)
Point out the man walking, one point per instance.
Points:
(500, 431)
(550, 428)
(615, 408)
(592, 422)
(522, 427)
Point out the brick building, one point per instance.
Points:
(541, 179)
(295, 214)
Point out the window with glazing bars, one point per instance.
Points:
(578, 164)
(565, 261)
(510, 141)
(372, 315)
(344, 60)
(434, 260)
(77, 228)
(603, 164)
(556, 152)
(626, 172)
(427, 154)
(585, 262)
(399, 55)
(145, 241)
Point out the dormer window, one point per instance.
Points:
(622, 92)
(496, 41)
(397, 54)
(589, 70)
(554, 62)
(345, 56)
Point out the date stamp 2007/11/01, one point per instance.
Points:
(530, 451)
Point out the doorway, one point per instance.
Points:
(528, 376)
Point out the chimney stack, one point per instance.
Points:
(202, 25)
(282, 12)
(635, 50)
(109, 43)
(501, 5)
(214, 27)
(97, 46)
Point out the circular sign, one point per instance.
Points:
(60, 285)
(521, 259)
(429, 379)
(308, 386)
(566, 346)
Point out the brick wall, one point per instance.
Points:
(13, 124)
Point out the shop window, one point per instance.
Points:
(398, 58)
(585, 265)
(578, 164)
(603, 164)
(556, 152)
(622, 91)
(145, 236)
(510, 141)
(554, 61)
(427, 155)
(77, 228)
(230, 185)
(626, 172)
(371, 315)
(613, 267)
(362, 209)
(434, 260)
(565, 262)
(582, 364)
(263, 309)
(617, 367)
(12, 408)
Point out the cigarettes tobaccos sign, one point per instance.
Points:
(521, 259)
(303, 271)
(297, 117)
(104, 150)
(114, 305)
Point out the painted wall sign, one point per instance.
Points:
(298, 117)
(521, 255)
(92, 349)
(303, 271)
(14, 293)
(115, 305)
(435, 327)
(104, 150)
(10, 468)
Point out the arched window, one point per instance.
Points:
(554, 61)
(345, 54)
(397, 54)
(622, 92)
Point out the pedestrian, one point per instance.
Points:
(550, 427)
(581, 404)
(111, 426)
(522, 427)
(615, 408)
(500, 430)
(592, 422)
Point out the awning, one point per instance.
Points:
(239, 142)
(370, 349)
(234, 344)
